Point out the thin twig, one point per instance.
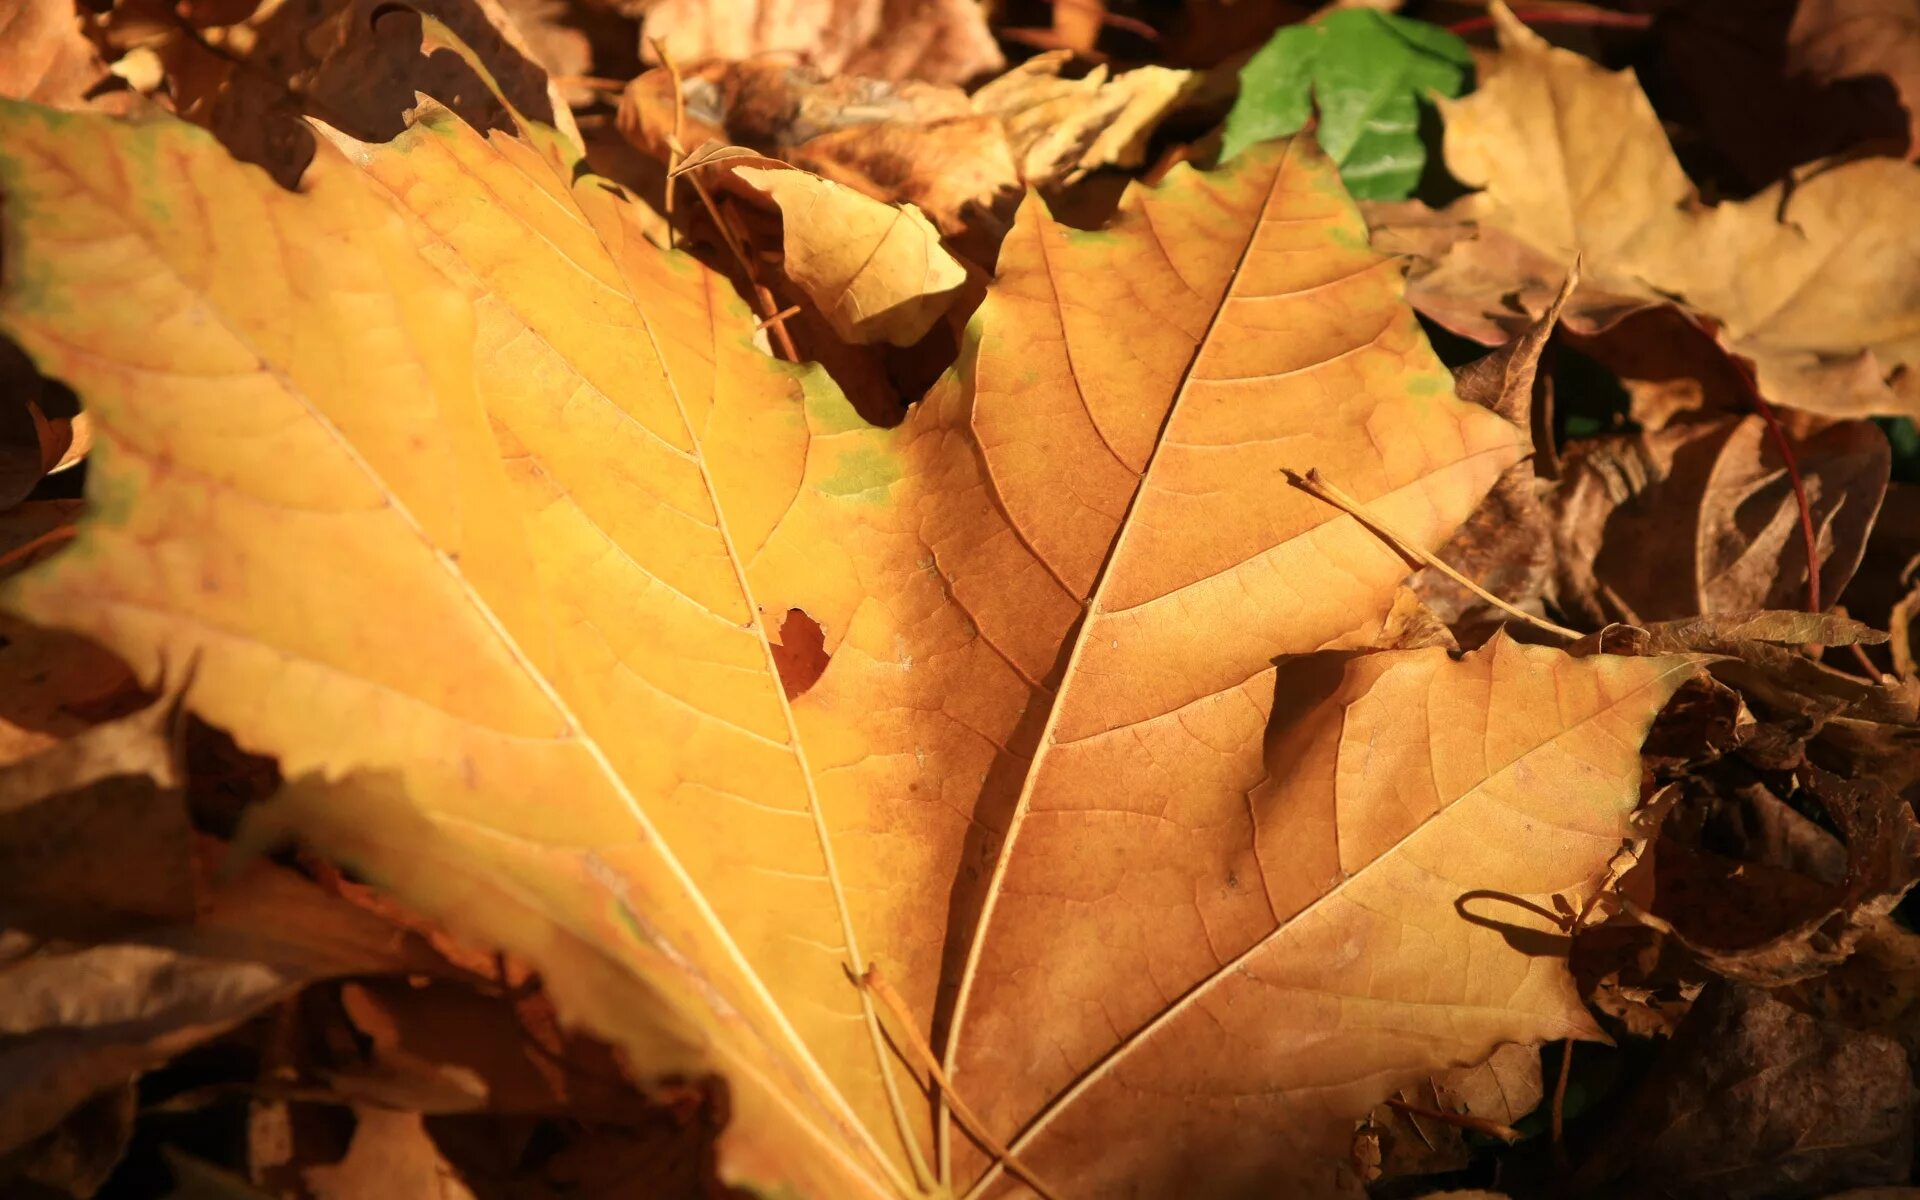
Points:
(1554, 16)
(1560, 1101)
(1505, 1133)
(770, 312)
(1316, 484)
(790, 310)
(876, 984)
(676, 146)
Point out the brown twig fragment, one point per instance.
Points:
(1505, 1133)
(877, 986)
(1592, 17)
(1560, 1103)
(789, 311)
(676, 147)
(1316, 484)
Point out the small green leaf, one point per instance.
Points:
(1367, 72)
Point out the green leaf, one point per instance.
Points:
(1367, 72)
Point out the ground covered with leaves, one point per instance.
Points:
(909, 598)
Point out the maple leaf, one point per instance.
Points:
(466, 501)
(1811, 284)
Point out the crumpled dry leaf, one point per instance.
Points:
(1062, 128)
(1841, 39)
(914, 142)
(938, 41)
(101, 809)
(876, 272)
(1813, 284)
(1506, 545)
(1700, 517)
(1756, 1099)
(1502, 1090)
(44, 56)
(354, 64)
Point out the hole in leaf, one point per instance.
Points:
(799, 651)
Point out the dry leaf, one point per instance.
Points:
(1841, 39)
(1502, 1090)
(939, 41)
(115, 955)
(44, 56)
(391, 1157)
(1051, 603)
(1718, 1115)
(1062, 128)
(1813, 284)
(1701, 518)
(877, 272)
(914, 142)
(1775, 927)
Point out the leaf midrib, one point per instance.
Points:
(1099, 1070)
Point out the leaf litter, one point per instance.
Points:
(612, 602)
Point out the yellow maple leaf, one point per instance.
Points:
(467, 502)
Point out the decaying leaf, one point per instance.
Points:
(43, 55)
(1813, 283)
(1841, 39)
(914, 142)
(1768, 926)
(1758, 1099)
(1702, 517)
(1062, 128)
(182, 964)
(474, 400)
(939, 41)
(1499, 1091)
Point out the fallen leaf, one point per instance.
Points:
(876, 271)
(939, 41)
(1062, 128)
(1502, 1090)
(354, 64)
(1365, 72)
(1702, 518)
(1299, 868)
(44, 56)
(1812, 284)
(1776, 927)
(473, 399)
(895, 141)
(1841, 39)
(391, 1156)
(1717, 1113)
(115, 954)
(1506, 546)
